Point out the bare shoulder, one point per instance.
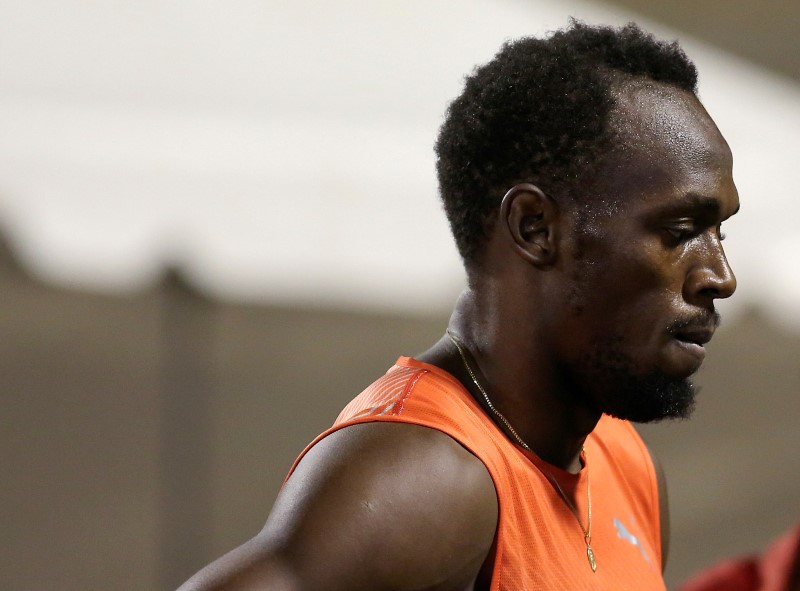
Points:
(398, 504)
(372, 506)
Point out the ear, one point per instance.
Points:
(530, 218)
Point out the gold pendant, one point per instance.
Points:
(590, 555)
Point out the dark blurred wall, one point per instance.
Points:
(144, 435)
(79, 449)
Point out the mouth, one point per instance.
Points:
(688, 346)
(699, 335)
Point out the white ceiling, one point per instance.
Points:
(281, 150)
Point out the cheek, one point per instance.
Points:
(646, 265)
(627, 280)
(632, 296)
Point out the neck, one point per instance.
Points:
(519, 376)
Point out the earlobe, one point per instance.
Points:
(530, 217)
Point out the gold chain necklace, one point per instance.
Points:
(587, 531)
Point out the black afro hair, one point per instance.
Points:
(538, 112)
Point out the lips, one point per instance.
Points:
(699, 335)
(688, 348)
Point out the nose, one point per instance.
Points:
(711, 277)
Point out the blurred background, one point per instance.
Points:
(219, 222)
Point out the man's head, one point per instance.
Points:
(605, 238)
(539, 112)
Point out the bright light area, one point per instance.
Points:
(282, 151)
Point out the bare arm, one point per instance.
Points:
(373, 506)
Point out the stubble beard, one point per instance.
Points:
(606, 378)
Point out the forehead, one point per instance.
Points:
(666, 146)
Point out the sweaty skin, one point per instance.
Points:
(387, 506)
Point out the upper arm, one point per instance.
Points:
(375, 506)
(663, 508)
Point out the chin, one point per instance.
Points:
(616, 382)
(649, 399)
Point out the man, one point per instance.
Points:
(585, 185)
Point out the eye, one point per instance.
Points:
(681, 231)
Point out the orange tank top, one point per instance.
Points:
(539, 544)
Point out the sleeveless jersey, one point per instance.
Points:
(539, 544)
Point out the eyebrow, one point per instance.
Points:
(698, 202)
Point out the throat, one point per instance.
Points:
(534, 414)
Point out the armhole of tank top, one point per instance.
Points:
(397, 419)
(498, 536)
(655, 501)
(390, 419)
(366, 419)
